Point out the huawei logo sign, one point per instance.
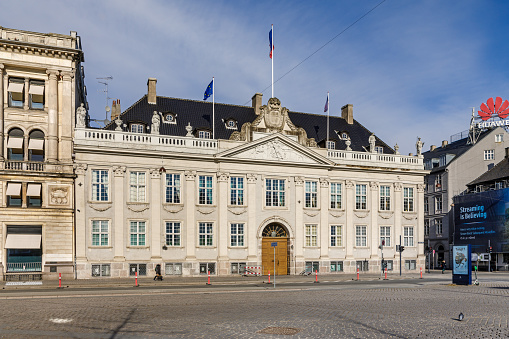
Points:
(490, 108)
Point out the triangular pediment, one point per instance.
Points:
(276, 147)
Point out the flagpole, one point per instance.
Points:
(272, 59)
(328, 110)
(213, 112)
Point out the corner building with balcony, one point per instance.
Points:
(162, 185)
(41, 82)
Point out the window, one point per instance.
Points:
(100, 185)
(311, 235)
(173, 268)
(34, 196)
(170, 118)
(336, 266)
(385, 236)
(14, 198)
(379, 149)
(237, 191)
(426, 205)
(237, 235)
(172, 188)
(141, 269)
(390, 265)
(360, 197)
(238, 267)
(173, 233)
(36, 94)
(36, 146)
(137, 233)
(336, 235)
(385, 198)
(274, 192)
(438, 224)
(442, 160)
(231, 124)
(438, 204)
(489, 154)
(362, 265)
(16, 91)
(331, 145)
(410, 265)
(100, 233)
(361, 238)
(478, 188)
(499, 185)
(312, 266)
(426, 227)
(15, 148)
(408, 199)
(499, 138)
(205, 190)
(335, 195)
(438, 182)
(207, 267)
(408, 236)
(205, 234)
(344, 136)
(137, 128)
(101, 270)
(137, 186)
(204, 135)
(311, 194)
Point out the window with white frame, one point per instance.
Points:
(408, 199)
(137, 128)
(408, 236)
(336, 235)
(361, 236)
(379, 149)
(101, 270)
(100, 183)
(360, 197)
(335, 195)
(385, 198)
(237, 191)
(236, 234)
(438, 204)
(438, 226)
(100, 232)
(205, 234)
(344, 136)
(499, 137)
(489, 154)
(331, 144)
(499, 185)
(137, 186)
(426, 227)
(311, 188)
(438, 182)
(275, 192)
(173, 233)
(385, 236)
(172, 188)
(204, 135)
(205, 190)
(426, 205)
(137, 233)
(311, 235)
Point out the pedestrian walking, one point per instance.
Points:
(158, 273)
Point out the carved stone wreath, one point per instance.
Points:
(172, 209)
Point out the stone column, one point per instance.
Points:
(155, 208)
(324, 219)
(375, 238)
(398, 216)
(81, 216)
(222, 225)
(190, 206)
(119, 224)
(52, 138)
(299, 223)
(349, 234)
(27, 96)
(1, 112)
(65, 128)
(252, 227)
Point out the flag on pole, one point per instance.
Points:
(209, 91)
(326, 108)
(270, 43)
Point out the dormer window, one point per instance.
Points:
(204, 135)
(379, 149)
(344, 135)
(231, 124)
(137, 128)
(331, 144)
(170, 118)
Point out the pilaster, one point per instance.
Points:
(252, 227)
(420, 220)
(81, 217)
(398, 213)
(375, 239)
(299, 219)
(65, 128)
(52, 137)
(222, 204)
(155, 208)
(190, 215)
(324, 219)
(1, 111)
(27, 96)
(349, 226)
(118, 207)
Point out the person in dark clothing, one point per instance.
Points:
(158, 273)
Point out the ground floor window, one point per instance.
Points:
(238, 267)
(312, 266)
(141, 269)
(410, 265)
(336, 266)
(206, 267)
(362, 265)
(173, 268)
(101, 270)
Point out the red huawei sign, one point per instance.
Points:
(490, 108)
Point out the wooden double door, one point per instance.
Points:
(281, 255)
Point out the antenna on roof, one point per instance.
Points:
(474, 131)
(107, 108)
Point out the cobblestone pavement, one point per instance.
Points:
(317, 311)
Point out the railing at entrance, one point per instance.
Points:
(24, 267)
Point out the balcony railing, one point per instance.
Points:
(376, 159)
(31, 166)
(14, 267)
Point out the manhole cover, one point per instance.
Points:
(280, 330)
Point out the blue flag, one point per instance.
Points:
(208, 91)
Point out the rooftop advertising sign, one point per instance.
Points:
(493, 109)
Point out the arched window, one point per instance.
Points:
(15, 150)
(36, 146)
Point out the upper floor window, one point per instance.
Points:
(36, 94)
(426, 205)
(311, 194)
(360, 197)
(138, 235)
(237, 191)
(205, 190)
(331, 144)
(137, 186)
(438, 204)
(172, 188)
(408, 199)
(408, 236)
(205, 234)
(14, 198)
(137, 128)
(335, 195)
(100, 183)
(100, 233)
(16, 92)
(499, 185)
(170, 118)
(236, 234)
(385, 198)
(173, 233)
(15, 148)
(34, 197)
(489, 154)
(311, 235)
(204, 135)
(379, 149)
(438, 225)
(499, 137)
(336, 235)
(438, 182)
(426, 227)
(231, 124)
(361, 236)
(275, 192)
(36, 146)
(344, 136)
(442, 160)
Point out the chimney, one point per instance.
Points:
(256, 102)
(507, 152)
(432, 148)
(151, 93)
(115, 109)
(347, 113)
(444, 143)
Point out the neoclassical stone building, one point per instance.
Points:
(168, 182)
(41, 82)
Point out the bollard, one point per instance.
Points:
(357, 273)
(269, 276)
(421, 272)
(208, 279)
(135, 279)
(385, 274)
(59, 280)
(316, 276)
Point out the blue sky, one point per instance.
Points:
(410, 68)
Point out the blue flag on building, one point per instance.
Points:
(209, 91)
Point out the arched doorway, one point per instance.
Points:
(275, 256)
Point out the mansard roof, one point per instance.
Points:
(199, 115)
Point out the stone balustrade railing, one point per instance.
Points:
(376, 159)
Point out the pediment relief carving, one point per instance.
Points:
(138, 207)
(274, 150)
(361, 214)
(100, 207)
(173, 208)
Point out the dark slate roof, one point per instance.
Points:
(199, 115)
(499, 172)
